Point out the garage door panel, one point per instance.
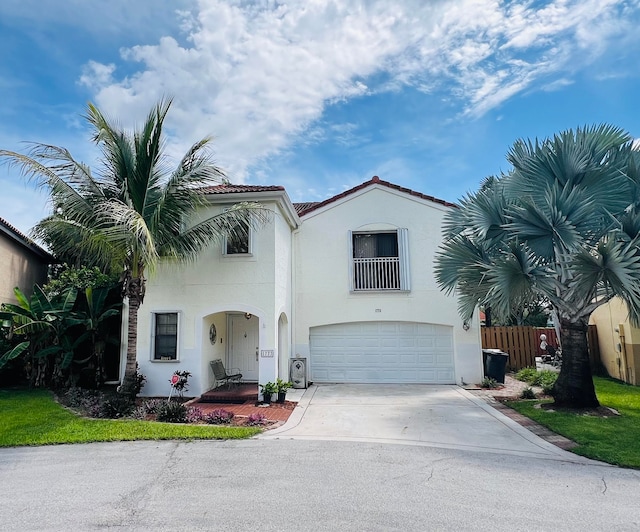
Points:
(387, 327)
(426, 342)
(408, 359)
(384, 352)
(408, 330)
(407, 342)
(363, 328)
(388, 342)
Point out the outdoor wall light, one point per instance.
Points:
(247, 315)
(465, 325)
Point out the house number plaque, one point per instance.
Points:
(267, 353)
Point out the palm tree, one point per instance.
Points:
(563, 225)
(134, 211)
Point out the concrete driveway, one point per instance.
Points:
(428, 415)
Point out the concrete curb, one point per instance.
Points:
(296, 416)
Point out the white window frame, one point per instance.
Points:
(402, 235)
(152, 354)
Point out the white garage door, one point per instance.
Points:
(382, 352)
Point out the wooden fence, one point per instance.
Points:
(523, 343)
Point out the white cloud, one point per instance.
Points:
(96, 75)
(558, 84)
(257, 74)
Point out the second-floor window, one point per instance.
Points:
(238, 242)
(379, 261)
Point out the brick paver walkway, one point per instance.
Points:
(273, 412)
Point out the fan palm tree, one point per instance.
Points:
(134, 211)
(563, 225)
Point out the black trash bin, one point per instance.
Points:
(495, 364)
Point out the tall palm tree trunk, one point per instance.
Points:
(134, 291)
(574, 386)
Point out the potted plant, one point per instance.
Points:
(268, 389)
(281, 389)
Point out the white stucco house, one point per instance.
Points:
(346, 283)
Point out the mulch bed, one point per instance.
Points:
(287, 405)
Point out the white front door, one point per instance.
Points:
(243, 348)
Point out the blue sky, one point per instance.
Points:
(318, 96)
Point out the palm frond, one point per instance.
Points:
(125, 229)
(512, 280)
(187, 244)
(459, 264)
(79, 244)
(593, 159)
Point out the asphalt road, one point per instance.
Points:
(300, 485)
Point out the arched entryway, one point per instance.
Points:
(283, 347)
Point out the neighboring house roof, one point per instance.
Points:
(302, 207)
(305, 208)
(228, 188)
(9, 230)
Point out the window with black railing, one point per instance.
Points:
(379, 261)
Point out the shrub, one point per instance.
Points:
(88, 402)
(77, 397)
(257, 419)
(489, 383)
(139, 413)
(151, 406)
(545, 378)
(73, 397)
(219, 417)
(528, 393)
(527, 375)
(194, 414)
(139, 380)
(172, 412)
(115, 407)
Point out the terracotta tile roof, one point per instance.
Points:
(306, 208)
(238, 189)
(23, 239)
(302, 207)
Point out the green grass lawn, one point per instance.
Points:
(32, 417)
(615, 440)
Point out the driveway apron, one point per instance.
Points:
(428, 415)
